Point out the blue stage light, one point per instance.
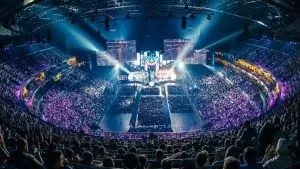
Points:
(181, 65)
(118, 66)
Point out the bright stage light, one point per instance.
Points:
(180, 65)
(173, 76)
(118, 66)
(151, 84)
(136, 62)
(130, 77)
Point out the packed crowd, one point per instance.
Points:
(75, 108)
(150, 129)
(175, 90)
(151, 111)
(276, 45)
(110, 89)
(20, 63)
(95, 88)
(228, 110)
(72, 110)
(15, 69)
(149, 91)
(242, 81)
(127, 90)
(224, 103)
(60, 106)
(270, 142)
(123, 104)
(179, 104)
(209, 93)
(278, 57)
(250, 88)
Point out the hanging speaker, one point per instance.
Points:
(49, 35)
(183, 22)
(106, 23)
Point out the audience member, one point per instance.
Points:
(250, 159)
(231, 163)
(282, 159)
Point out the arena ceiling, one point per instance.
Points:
(30, 16)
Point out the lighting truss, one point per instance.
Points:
(47, 12)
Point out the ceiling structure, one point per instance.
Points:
(35, 15)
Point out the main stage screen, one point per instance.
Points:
(122, 50)
(173, 47)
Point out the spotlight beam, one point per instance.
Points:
(114, 61)
(224, 39)
(117, 3)
(181, 65)
(189, 46)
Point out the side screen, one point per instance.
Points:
(122, 50)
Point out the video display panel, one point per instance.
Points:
(122, 50)
(200, 57)
(174, 47)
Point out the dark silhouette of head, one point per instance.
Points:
(247, 124)
(102, 151)
(231, 163)
(143, 161)
(201, 159)
(87, 157)
(56, 159)
(130, 161)
(188, 164)
(132, 150)
(159, 154)
(22, 145)
(250, 155)
(232, 151)
(166, 164)
(108, 162)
